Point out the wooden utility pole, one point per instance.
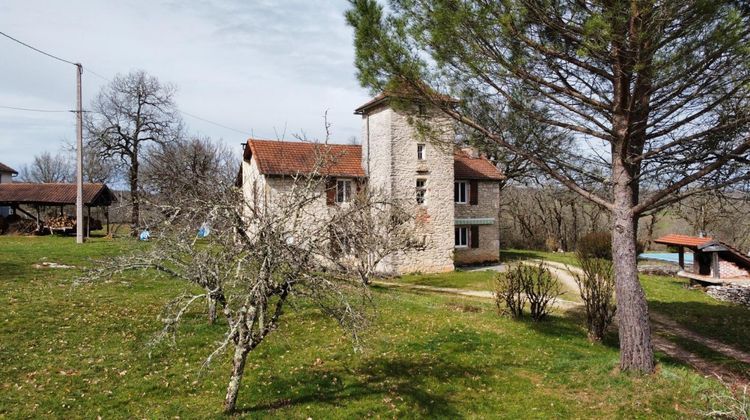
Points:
(79, 157)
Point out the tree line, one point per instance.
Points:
(134, 136)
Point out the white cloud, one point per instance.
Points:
(258, 66)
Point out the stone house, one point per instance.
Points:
(408, 153)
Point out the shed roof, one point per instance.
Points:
(683, 240)
(480, 168)
(54, 194)
(6, 168)
(275, 157)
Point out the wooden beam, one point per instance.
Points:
(715, 265)
(88, 222)
(681, 253)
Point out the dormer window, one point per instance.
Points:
(343, 190)
(421, 151)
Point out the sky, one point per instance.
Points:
(268, 69)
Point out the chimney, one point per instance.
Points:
(472, 152)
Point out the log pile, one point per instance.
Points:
(60, 222)
(67, 222)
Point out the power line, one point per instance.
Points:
(103, 78)
(37, 49)
(16, 108)
(215, 123)
(93, 73)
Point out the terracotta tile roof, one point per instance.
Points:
(467, 167)
(403, 92)
(6, 168)
(275, 157)
(54, 194)
(683, 240)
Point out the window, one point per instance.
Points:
(343, 190)
(462, 237)
(459, 192)
(421, 152)
(421, 190)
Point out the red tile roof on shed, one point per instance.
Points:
(683, 240)
(54, 194)
(275, 157)
(6, 168)
(467, 167)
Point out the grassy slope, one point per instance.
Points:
(80, 351)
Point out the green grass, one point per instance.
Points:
(471, 280)
(84, 351)
(696, 311)
(508, 255)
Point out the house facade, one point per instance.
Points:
(409, 154)
(6, 177)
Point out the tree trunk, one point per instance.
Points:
(134, 199)
(211, 310)
(636, 352)
(238, 368)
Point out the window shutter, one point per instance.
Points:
(358, 185)
(474, 236)
(474, 193)
(330, 191)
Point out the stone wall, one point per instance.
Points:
(735, 294)
(394, 168)
(728, 269)
(487, 207)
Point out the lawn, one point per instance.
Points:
(83, 351)
(471, 280)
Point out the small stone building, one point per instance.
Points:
(455, 192)
(6, 177)
(713, 261)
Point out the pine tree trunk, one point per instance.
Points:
(636, 352)
(238, 368)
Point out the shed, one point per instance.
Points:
(714, 261)
(36, 196)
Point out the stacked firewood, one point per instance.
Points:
(60, 222)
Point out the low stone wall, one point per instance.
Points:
(734, 294)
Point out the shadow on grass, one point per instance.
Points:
(724, 323)
(9, 269)
(399, 378)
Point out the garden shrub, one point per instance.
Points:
(596, 245)
(597, 289)
(599, 245)
(526, 283)
(509, 296)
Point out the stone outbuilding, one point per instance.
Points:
(714, 261)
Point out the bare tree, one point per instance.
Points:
(261, 254)
(131, 113)
(49, 168)
(193, 166)
(722, 214)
